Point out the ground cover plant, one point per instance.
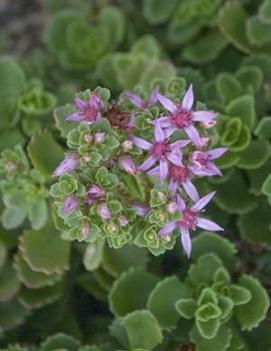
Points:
(135, 175)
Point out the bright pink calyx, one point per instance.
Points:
(182, 118)
(160, 149)
(178, 173)
(189, 219)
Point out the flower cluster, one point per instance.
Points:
(132, 167)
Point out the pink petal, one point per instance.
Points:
(168, 229)
(80, 103)
(142, 144)
(77, 116)
(155, 172)
(167, 103)
(181, 204)
(193, 134)
(154, 95)
(175, 158)
(164, 121)
(163, 165)
(188, 99)
(136, 100)
(203, 116)
(94, 101)
(186, 240)
(147, 163)
(179, 144)
(169, 131)
(158, 133)
(204, 223)
(214, 170)
(201, 203)
(216, 153)
(191, 190)
(172, 187)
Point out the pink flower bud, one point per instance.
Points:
(70, 163)
(10, 167)
(127, 145)
(172, 207)
(88, 138)
(85, 230)
(128, 165)
(123, 221)
(99, 138)
(208, 124)
(71, 203)
(103, 211)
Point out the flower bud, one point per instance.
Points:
(99, 138)
(127, 145)
(128, 165)
(103, 211)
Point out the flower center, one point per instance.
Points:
(90, 113)
(178, 173)
(160, 149)
(200, 158)
(189, 219)
(182, 118)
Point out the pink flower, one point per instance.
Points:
(202, 162)
(140, 209)
(94, 192)
(88, 111)
(190, 221)
(160, 151)
(182, 116)
(103, 211)
(71, 203)
(140, 103)
(70, 163)
(127, 164)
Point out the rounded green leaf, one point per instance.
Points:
(265, 11)
(244, 108)
(220, 342)
(142, 330)
(12, 314)
(93, 255)
(9, 283)
(158, 11)
(38, 214)
(130, 291)
(255, 155)
(251, 314)
(161, 301)
(13, 217)
(60, 342)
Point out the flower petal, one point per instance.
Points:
(214, 170)
(216, 153)
(172, 187)
(80, 103)
(203, 116)
(136, 100)
(188, 99)
(77, 116)
(186, 240)
(163, 121)
(175, 158)
(154, 95)
(191, 190)
(199, 205)
(141, 143)
(168, 228)
(147, 163)
(94, 101)
(163, 165)
(193, 134)
(155, 172)
(179, 144)
(158, 133)
(167, 103)
(181, 204)
(205, 223)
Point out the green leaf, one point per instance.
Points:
(38, 214)
(36, 298)
(239, 295)
(12, 314)
(254, 225)
(30, 278)
(221, 341)
(244, 108)
(142, 329)
(157, 11)
(232, 22)
(117, 261)
(258, 32)
(161, 301)
(249, 316)
(210, 242)
(186, 307)
(60, 342)
(266, 188)
(226, 197)
(9, 283)
(265, 11)
(93, 255)
(130, 291)
(203, 270)
(263, 129)
(208, 329)
(259, 338)
(148, 45)
(227, 87)
(112, 26)
(251, 78)
(258, 176)
(255, 155)
(44, 250)
(13, 217)
(44, 152)
(205, 49)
